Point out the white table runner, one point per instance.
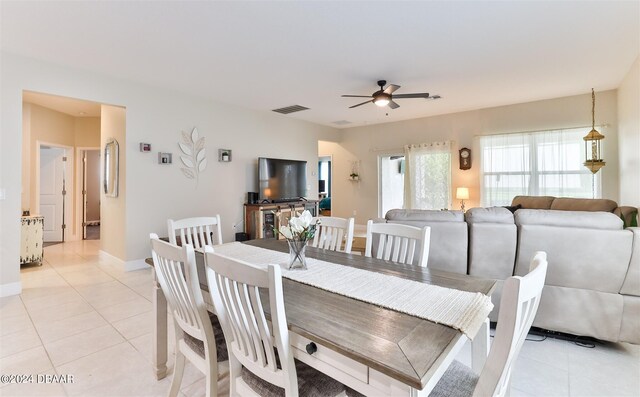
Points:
(462, 310)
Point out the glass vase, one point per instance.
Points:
(297, 258)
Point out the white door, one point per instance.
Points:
(52, 163)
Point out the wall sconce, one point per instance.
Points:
(462, 194)
(592, 140)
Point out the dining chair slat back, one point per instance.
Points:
(518, 306)
(250, 340)
(177, 275)
(198, 232)
(398, 243)
(333, 233)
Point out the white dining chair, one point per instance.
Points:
(518, 307)
(261, 359)
(199, 336)
(197, 231)
(333, 233)
(398, 243)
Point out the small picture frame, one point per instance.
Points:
(164, 158)
(224, 155)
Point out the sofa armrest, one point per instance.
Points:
(629, 215)
(631, 284)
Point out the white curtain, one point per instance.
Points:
(545, 163)
(427, 178)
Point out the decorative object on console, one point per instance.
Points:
(462, 194)
(145, 147)
(592, 141)
(465, 158)
(165, 158)
(224, 155)
(194, 159)
(298, 233)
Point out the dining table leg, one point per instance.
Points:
(480, 347)
(160, 341)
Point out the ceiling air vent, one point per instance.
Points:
(342, 122)
(290, 109)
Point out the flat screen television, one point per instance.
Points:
(282, 180)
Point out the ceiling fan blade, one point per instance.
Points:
(360, 104)
(356, 96)
(391, 89)
(424, 95)
(393, 105)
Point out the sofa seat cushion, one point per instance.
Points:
(581, 219)
(533, 202)
(581, 204)
(400, 215)
(489, 215)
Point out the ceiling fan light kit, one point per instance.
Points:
(384, 96)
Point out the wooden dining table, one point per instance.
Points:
(372, 349)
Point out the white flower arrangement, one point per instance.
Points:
(300, 228)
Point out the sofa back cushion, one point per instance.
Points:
(533, 202)
(581, 204)
(576, 219)
(424, 215)
(489, 215)
(449, 236)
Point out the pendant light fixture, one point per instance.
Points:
(592, 145)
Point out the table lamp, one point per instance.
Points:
(462, 194)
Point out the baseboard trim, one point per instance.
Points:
(105, 255)
(10, 289)
(137, 264)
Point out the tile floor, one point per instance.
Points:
(84, 316)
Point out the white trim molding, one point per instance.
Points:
(10, 289)
(137, 264)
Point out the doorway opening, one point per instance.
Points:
(90, 192)
(324, 184)
(391, 185)
(52, 186)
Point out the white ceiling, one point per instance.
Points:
(72, 107)
(266, 55)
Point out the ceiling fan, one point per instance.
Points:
(384, 96)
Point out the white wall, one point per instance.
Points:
(629, 136)
(367, 143)
(153, 192)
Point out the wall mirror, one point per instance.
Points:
(111, 168)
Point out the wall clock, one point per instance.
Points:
(465, 158)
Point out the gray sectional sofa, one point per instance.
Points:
(593, 280)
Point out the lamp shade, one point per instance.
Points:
(462, 193)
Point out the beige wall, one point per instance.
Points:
(365, 144)
(113, 210)
(629, 136)
(45, 125)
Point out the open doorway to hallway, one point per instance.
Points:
(58, 133)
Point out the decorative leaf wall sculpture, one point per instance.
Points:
(194, 156)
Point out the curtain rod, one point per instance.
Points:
(401, 149)
(604, 125)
